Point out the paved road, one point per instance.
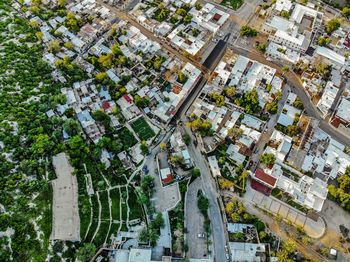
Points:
(270, 126)
(296, 86)
(194, 223)
(210, 190)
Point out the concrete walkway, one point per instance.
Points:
(315, 229)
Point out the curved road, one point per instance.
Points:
(296, 87)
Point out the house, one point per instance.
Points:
(214, 166)
(330, 57)
(329, 94)
(263, 182)
(288, 115)
(343, 112)
(247, 252)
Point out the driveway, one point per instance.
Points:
(194, 222)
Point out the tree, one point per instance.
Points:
(69, 45)
(287, 251)
(346, 11)
(248, 31)
(198, 5)
(86, 252)
(235, 132)
(182, 12)
(143, 235)
(72, 127)
(272, 107)
(229, 91)
(39, 35)
(144, 148)
(285, 69)
(187, 139)
(323, 41)
(101, 76)
(42, 145)
(219, 99)
(261, 48)
(293, 130)
(285, 14)
(226, 184)
(268, 159)
(187, 19)
(158, 221)
(162, 146)
(177, 160)
(106, 60)
(54, 46)
(298, 103)
(181, 77)
(332, 25)
(195, 173)
(141, 101)
(116, 50)
(33, 23)
(61, 3)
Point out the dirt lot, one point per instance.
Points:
(65, 217)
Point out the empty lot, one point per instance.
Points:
(65, 215)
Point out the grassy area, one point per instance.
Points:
(94, 218)
(114, 230)
(233, 4)
(142, 129)
(84, 214)
(115, 197)
(104, 204)
(101, 234)
(127, 137)
(134, 206)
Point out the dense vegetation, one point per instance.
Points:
(27, 138)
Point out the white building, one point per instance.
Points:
(329, 94)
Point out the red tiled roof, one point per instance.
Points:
(127, 98)
(105, 105)
(260, 187)
(266, 178)
(217, 17)
(168, 179)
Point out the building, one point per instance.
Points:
(247, 252)
(343, 112)
(214, 166)
(263, 182)
(330, 57)
(329, 94)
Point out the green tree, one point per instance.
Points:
(268, 159)
(181, 77)
(346, 11)
(54, 46)
(72, 127)
(248, 31)
(42, 145)
(285, 14)
(323, 41)
(144, 148)
(332, 25)
(86, 252)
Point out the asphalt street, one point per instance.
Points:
(296, 86)
(211, 192)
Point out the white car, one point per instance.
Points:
(201, 235)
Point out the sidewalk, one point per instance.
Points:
(315, 229)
